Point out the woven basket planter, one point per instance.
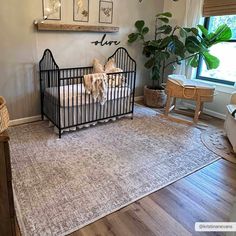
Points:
(154, 98)
(4, 116)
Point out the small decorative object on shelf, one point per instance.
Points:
(4, 116)
(81, 10)
(52, 9)
(105, 12)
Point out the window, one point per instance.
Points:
(226, 52)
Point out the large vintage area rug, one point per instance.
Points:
(63, 185)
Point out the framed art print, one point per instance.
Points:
(106, 12)
(52, 9)
(81, 10)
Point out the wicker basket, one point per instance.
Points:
(154, 98)
(4, 116)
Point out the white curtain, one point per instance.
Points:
(192, 17)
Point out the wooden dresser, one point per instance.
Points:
(7, 212)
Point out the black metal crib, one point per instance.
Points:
(65, 102)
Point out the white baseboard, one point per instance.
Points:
(206, 111)
(37, 118)
(139, 98)
(25, 120)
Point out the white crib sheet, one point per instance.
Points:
(74, 95)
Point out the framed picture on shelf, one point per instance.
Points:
(81, 10)
(105, 12)
(52, 9)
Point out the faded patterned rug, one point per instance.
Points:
(62, 185)
(217, 142)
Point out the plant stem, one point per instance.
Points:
(156, 30)
(175, 28)
(183, 59)
(163, 71)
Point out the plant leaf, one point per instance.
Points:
(182, 33)
(179, 48)
(188, 30)
(192, 44)
(133, 37)
(223, 33)
(161, 56)
(211, 36)
(194, 31)
(163, 19)
(165, 42)
(176, 46)
(150, 63)
(154, 43)
(149, 49)
(166, 14)
(203, 30)
(139, 25)
(211, 61)
(165, 29)
(194, 61)
(145, 30)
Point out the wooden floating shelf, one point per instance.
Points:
(74, 28)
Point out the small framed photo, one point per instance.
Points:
(106, 12)
(52, 9)
(81, 10)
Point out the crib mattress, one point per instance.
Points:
(75, 95)
(89, 113)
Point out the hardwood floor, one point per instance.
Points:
(206, 195)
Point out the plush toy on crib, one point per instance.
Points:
(110, 67)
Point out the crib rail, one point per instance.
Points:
(75, 72)
(66, 103)
(81, 108)
(124, 60)
(49, 77)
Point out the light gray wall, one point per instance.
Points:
(21, 46)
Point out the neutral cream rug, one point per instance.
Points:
(63, 185)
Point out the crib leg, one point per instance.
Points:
(132, 117)
(42, 116)
(59, 133)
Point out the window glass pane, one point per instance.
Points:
(226, 52)
(216, 21)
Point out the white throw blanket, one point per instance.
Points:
(96, 84)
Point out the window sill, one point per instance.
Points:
(220, 87)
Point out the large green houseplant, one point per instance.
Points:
(173, 45)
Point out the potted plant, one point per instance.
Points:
(171, 46)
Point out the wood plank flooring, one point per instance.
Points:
(206, 195)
